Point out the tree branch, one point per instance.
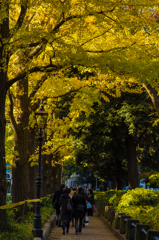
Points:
(140, 137)
(95, 37)
(20, 19)
(38, 85)
(11, 115)
(47, 68)
(153, 95)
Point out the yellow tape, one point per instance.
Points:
(12, 205)
(20, 203)
(33, 200)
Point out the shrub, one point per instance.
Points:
(23, 230)
(115, 199)
(141, 204)
(104, 196)
(110, 198)
(139, 197)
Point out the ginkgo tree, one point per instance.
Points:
(41, 38)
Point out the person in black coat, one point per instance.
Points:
(55, 203)
(65, 215)
(90, 198)
(78, 201)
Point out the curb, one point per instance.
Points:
(111, 227)
(47, 228)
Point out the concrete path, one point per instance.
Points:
(96, 230)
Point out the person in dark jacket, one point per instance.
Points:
(65, 215)
(55, 203)
(78, 199)
(90, 198)
(85, 195)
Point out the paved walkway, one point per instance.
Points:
(96, 230)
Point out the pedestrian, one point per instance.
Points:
(85, 195)
(55, 203)
(90, 198)
(80, 209)
(71, 195)
(65, 215)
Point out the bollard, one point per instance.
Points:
(122, 226)
(109, 214)
(130, 228)
(103, 209)
(117, 219)
(152, 235)
(140, 231)
(106, 211)
(112, 216)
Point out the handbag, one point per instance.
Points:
(94, 209)
(86, 221)
(80, 207)
(69, 207)
(89, 205)
(55, 204)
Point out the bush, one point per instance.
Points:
(104, 196)
(139, 197)
(115, 199)
(110, 198)
(141, 204)
(23, 230)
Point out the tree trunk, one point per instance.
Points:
(44, 175)
(3, 189)
(48, 184)
(56, 177)
(4, 59)
(20, 170)
(32, 170)
(132, 163)
(118, 183)
(20, 163)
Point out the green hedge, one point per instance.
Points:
(139, 197)
(111, 197)
(141, 204)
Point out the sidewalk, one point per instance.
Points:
(96, 230)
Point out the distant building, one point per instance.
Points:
(72, 181)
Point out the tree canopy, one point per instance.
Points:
(43, 41)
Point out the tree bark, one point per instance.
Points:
(56, 177)
(32, 170)
(3, 190)
(44, 175)
(4, 59)
(132, 163)
(118, 183)
(20, 162)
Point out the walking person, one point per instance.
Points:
(55, 203)
(85, 195)
(90, 198)
(65, 214)
(71, 195)
(80, 209)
